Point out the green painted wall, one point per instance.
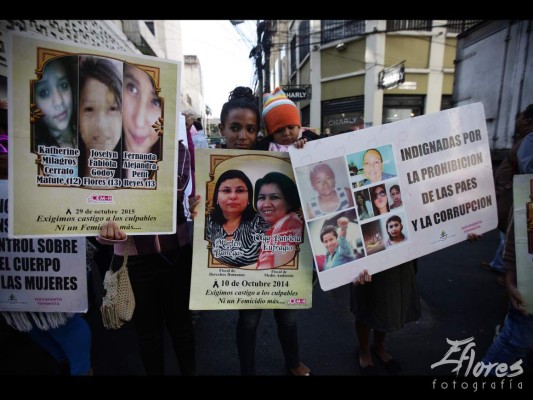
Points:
(352, 59)
(340, 88)
(414, 50)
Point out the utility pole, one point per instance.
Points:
(267, 45)
(259, 60)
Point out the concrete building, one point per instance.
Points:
(365, 72)
(493, 66)
(158, 38)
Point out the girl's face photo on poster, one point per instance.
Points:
(143, 109)
(54, 94)
(396, 229)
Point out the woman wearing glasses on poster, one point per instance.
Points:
(380, 201)
(232, 225)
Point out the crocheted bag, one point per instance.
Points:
(118, 303)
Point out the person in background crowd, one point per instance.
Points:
(515, 340)
(199, 140)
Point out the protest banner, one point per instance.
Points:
(250, 245)
(438, 169)
(92, 138)
(40, 274)
(523, 232)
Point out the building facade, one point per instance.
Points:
(346, 65)
(158, 38)
(493, 66)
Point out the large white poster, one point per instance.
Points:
(523, 232)
(381, 196)
(40, 274)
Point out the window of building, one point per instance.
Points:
(303, 39)
(332, 30)
(151, 26)
(343, 115)
(461, 25)
(293, 55)
(396, 108)
(409, 25)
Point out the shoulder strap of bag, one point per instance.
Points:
(125, 261)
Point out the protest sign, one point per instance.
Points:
(91, 139)
(438, 169)
(40, 274)
(250, 245)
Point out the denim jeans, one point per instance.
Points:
(514, 341)
(70, 342)
(161, 285)
(247, 333)
(497, 260)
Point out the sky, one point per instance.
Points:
(223, 55)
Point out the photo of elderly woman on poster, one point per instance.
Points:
(232, 224)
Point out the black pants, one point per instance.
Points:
(247, 333)
(161, 285)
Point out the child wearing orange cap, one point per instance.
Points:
(281, 119)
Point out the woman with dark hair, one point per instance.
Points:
(394, 230)
(277, 201)
(364, 207)
(233, 223)
(142, 110)
(380, 201)
(239, 125)
(55, 96)
(396, 195)
(100, 115)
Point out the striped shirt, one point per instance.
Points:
(243, 249)
(343, 204)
